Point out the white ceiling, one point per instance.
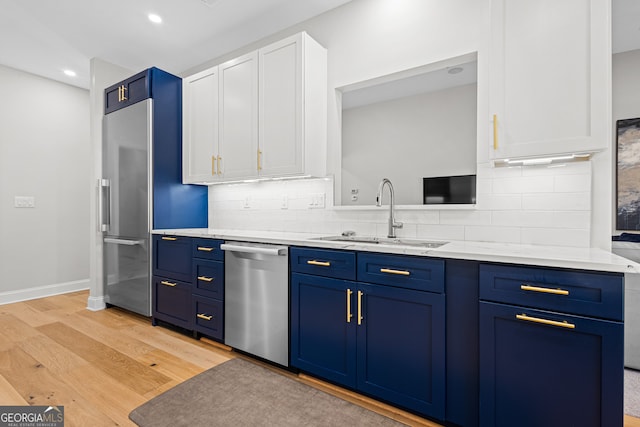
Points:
(45, 37)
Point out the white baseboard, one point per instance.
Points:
(96, 303)
(43, 291)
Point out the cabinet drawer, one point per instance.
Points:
(323, 262)
(208, 249)
(172, 301)
(127, 92)
(172, 257)
(208, 278)
(403, 271)
(579, 292)
(208, 316)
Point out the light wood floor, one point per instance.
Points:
(102, 365)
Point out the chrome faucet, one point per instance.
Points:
(392, 222)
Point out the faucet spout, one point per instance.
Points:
(392, 222)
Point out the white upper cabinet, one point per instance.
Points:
(239, 117)
(200, 127)
(292, 108)
(548, 77)
(270, 115)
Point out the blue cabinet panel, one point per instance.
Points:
(209, 316)
(401, 347)
(134, 89)
(536, 374)
(323, 340)
(208, 278)
(403, 271)
(208, 249)
(323, 262)
(172, 257)
(462, 313)
(172, 301)
(568, 291)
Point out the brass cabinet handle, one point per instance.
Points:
(213, 165)
(360, 293)
(544, 290)
(391, 271)
(563, 324)
(219, 167)
(205, 279)
(122, 96)
(204, 249)
(495, 131)
(259, 160)
(169, 238)
(349, 315)
(204, 316)
(164, 282)
(319, 263)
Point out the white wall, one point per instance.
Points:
(626, 99)
(44, 148)
(369, 38)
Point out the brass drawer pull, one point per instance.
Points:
(204, 249)
(164, 282)
(319, 263)
(205, 279)
(564, 324)
(169, 238)
(349, 315)
(543, 290)
(391, 271)
(204, 316)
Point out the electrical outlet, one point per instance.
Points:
(24, 202)
(316, 200)
(247, 202)
(284, 202)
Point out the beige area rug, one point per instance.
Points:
(632, 392)
(241, 393)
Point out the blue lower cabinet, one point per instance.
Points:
(383, 341)
(542, 368)
(401, 347)
(172, 302)
(209, 316)
(323, 340)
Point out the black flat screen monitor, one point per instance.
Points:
(444, 190)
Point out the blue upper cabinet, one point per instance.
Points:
(174, 205)
(128, 92)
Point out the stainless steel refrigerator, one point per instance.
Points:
(126, 190)
(142, 188)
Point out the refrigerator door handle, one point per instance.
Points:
(104, 200)
(123, 241)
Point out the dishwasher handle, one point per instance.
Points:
(275, 250)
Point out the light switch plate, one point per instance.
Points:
(24, 202)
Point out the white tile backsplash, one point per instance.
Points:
(531, 205)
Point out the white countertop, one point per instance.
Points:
(546, 256)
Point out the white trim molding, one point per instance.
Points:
(96, 303)
(43, 291)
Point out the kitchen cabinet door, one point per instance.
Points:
(401, 347)
(200, 127)
(566, 373)
(323, 336)
(549, 77)
(238, 138)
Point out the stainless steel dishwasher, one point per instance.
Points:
(256, 299)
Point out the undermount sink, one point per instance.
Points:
(384, 241)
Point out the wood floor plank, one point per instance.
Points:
(57, 358)
(135, 375)
(170, 365)
(14, 330)
(39, 386)
(9, 395)
(29, 315)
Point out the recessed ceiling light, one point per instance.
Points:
(455, 70)
(70, 73)
(156, 19)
